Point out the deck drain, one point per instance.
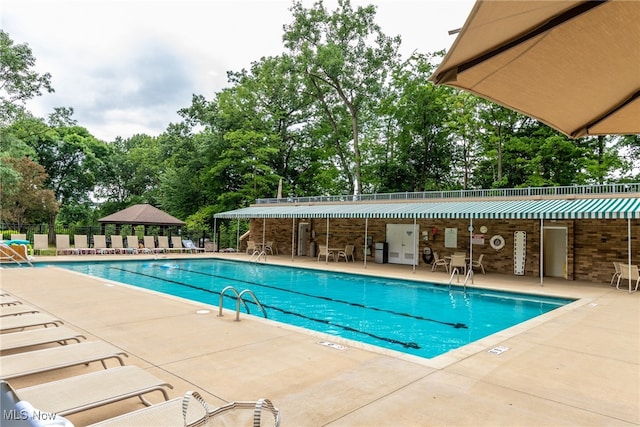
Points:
(332, 345)
(498, 350)
(203, 311)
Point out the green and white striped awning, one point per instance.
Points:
(609, 208)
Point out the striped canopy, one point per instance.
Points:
(605, 208)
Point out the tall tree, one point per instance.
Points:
(18, 81)
(346, 60)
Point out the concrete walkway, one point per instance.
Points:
(578, 365)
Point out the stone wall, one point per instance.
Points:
(592, 245)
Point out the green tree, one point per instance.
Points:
(345, 59)
(18, 81)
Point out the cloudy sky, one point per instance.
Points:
(127, 66)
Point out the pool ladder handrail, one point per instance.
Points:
(15, 256)
(466, 279)
(259, 254)
(238, 300)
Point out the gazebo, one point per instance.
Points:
(143, 214)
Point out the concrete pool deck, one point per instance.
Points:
(578, 365)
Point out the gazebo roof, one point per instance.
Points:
(144, 214)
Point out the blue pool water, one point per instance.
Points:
(409, 316)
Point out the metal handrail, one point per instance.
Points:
(570, 190)
(238, 300)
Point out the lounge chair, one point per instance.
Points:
(40, 243)
(150, 245)
(62, 245)
(6, 300)
(163, 244)
(19, 413)
(133, 245)
(437, 261)
(117, 245)
(83, 392)
(50, 359)
(100, 244)
(176, 244)
(81, 245)
(190, 246)
(478, 263)
(180, 412)
(17, 310)
(323, 253)
(347, 253)
(626, 277)
(18, 237)
(12, 323)
(33, 337)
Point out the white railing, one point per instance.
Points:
(577, 190)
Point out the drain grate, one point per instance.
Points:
(332, 345)
(498, 350)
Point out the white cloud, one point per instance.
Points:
(127, 66)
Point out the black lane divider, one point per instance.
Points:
(326, 322)
(354, 304)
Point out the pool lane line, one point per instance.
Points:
(313, 319)
(354, 304)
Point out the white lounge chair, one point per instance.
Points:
(100, 244)
(50, 359)
(40, 243)
(17, 310)
(81, 245)
(133, 245)
(62, 245)
(176, 244)
(37, 320)
(33, 337)
(180, 412)
(163, 244)
(83, 392)
(190, 246)
(150, 245)
(118, 245)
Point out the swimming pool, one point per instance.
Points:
(413, 317)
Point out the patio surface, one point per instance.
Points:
(576, 366)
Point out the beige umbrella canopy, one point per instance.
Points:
(142, 215)
(574, 65)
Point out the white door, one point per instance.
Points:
(303, 238)
(403, 243)
(555, 252)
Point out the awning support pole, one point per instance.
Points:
(629, 249)
(541, 251)
(238, 236)
(415, 244)
(293, 238)
(364, 252)
(326, 252)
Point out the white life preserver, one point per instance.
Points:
(497, 242)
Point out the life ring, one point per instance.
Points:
(497, 242)
(427, 255)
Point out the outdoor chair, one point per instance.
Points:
(24, 414)
(176, 244)
(50, 359)
(18, 237)
(100, 245)
(437, 261)
(163, 244)
(323, 252)
(190, 246)
(630, 278)
(132, 244)
(251, 247)
(40, 243)
(81, 245)
(478, 263)
(458, 263)
(616, 274)
(62, 245)
(25, 321)
(117, 244)
(270, 247)
(7, 299)
(192, 410)
(23, 340)
(82, 392)
(150, 245)
(17, 310)
(347, 253)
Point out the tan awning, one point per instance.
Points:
(574, 65)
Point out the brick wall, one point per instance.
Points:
(592, 245)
